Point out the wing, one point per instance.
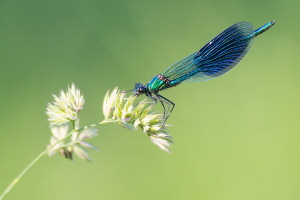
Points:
(214, 59)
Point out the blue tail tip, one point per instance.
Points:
(273, 22)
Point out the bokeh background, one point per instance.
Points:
(237, 136)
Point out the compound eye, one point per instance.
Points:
(139, 89)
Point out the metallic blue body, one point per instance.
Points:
(214, 59)
(217, 57)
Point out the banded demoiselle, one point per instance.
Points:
(217, 57)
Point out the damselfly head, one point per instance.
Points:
(139, 89)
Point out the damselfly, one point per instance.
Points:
(214, 59)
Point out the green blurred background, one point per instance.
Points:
(237, 137)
